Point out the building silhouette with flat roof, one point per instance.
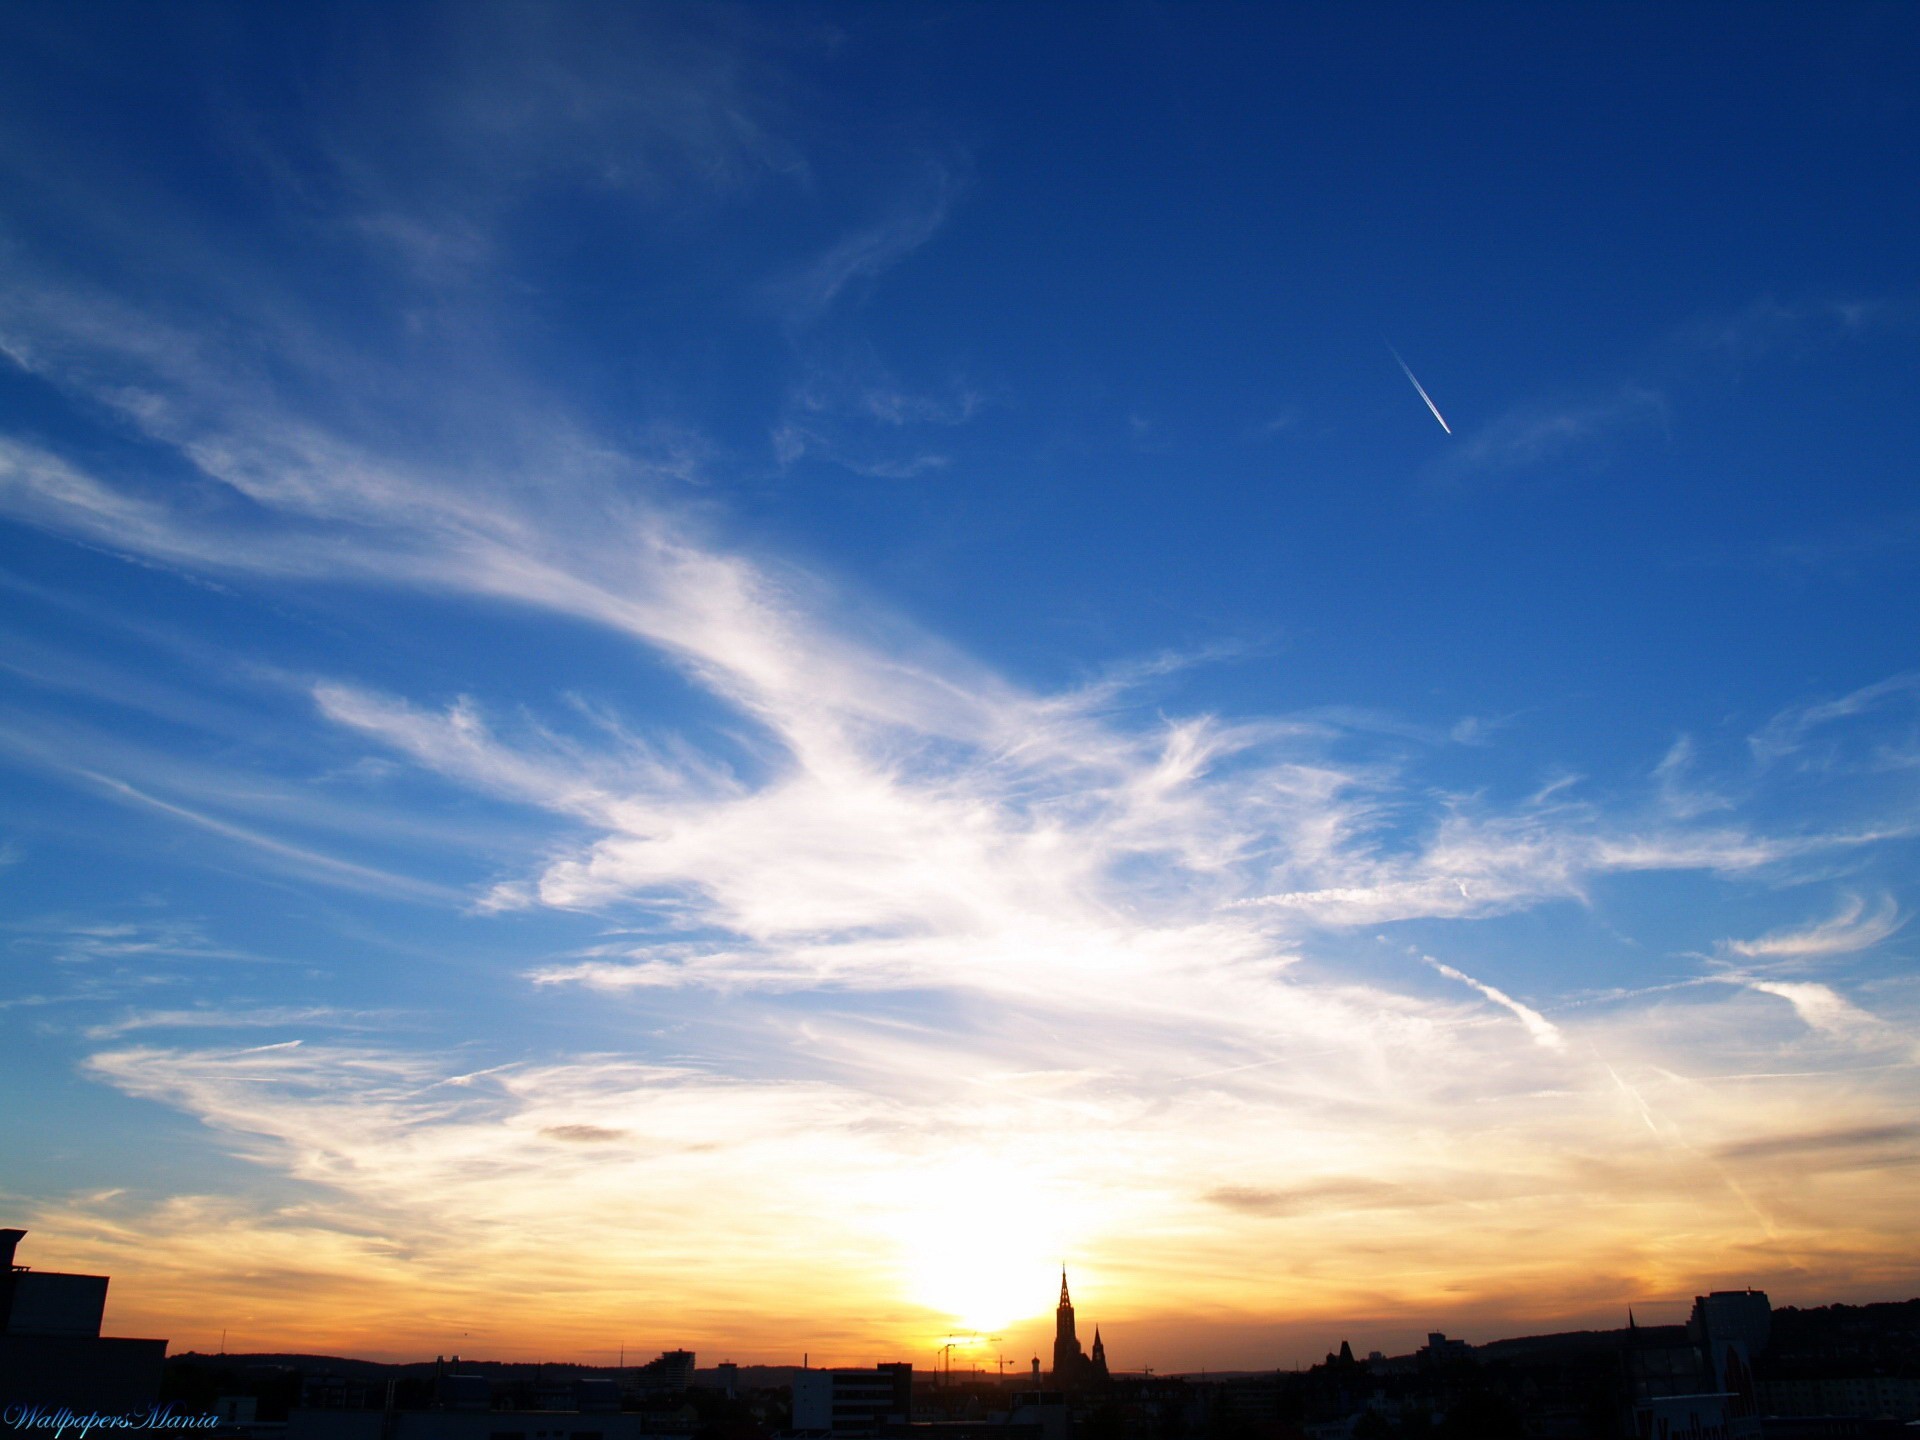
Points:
(853, 1402)
(51, 1350)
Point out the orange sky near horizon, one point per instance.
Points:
(853, 1255)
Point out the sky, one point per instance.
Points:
(739, 676)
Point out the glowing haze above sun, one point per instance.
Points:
(741, 678)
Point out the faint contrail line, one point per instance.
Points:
(1423, 391)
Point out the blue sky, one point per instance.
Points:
(836, 627)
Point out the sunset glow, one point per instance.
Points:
(742, 679)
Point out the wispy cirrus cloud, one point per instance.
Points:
(730, 624)
(1536, 433)
(417, 139)
(1479, 865)
(1790, 731)
(1769, 323)
(858, 416)
(865, 732)
(1577, 428)
(792, 440)
(1680, 792)
(92, 943)
(1054, 950)
(212, 1017)
(67, 755)
(860, 257)
(1852, 928)
(858, 386)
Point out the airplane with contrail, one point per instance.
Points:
(1423, 391)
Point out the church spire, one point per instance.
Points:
(1066, 1301)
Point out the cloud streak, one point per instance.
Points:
(1852, 928)
(1544, 1032)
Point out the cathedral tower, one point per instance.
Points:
(1068, 1360)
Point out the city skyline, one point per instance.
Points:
(72, 1307)
(773, 668)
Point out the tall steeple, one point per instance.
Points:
(1068, 1358)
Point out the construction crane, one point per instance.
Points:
(963, 1339)
(994, 1340)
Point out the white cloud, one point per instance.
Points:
(1096, 928)
(1543, 1030)
(919, 819)
(909, 790)
(1824, 1009)
(1852, 928)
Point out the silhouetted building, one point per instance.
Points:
(455, 1391)
(1700, 1381)
(671, 1374)
(853, 1402)
(1073, 1368)
(1739, 1370)
(1697, 1380)
(483, 1401)
(1836, 1395)
(1041, 1413)
(1731, 1328)
(1440, 1349)
(51, 1348)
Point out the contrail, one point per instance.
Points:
(1423, 392)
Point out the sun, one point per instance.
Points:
(977, 1247)
(980, 1288)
